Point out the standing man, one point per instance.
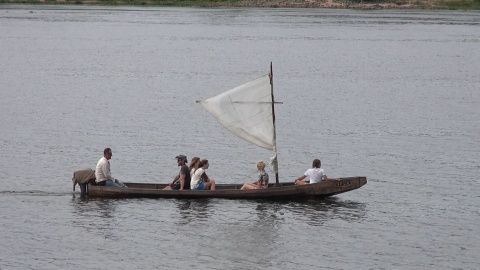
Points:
(182, 180)
(102, 171)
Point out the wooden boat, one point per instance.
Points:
(285, 191)
(248, 111)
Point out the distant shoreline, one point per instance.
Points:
(340, 4)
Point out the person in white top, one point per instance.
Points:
(197, 182)
(194, 165)
(103, 176)
(315, 174)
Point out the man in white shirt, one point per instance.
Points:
(102, 171)
(316, 174)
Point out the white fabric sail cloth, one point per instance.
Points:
(246, 111)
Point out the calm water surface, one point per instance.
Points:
(392, 95)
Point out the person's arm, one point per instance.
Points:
(174, 179)
(182, 181)
(106, 170)
(300, 178)
(324, 177)
(260, 181)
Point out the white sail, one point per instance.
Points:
(246, 111)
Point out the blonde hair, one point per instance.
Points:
(261, 164)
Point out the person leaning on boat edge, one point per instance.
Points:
(103, 176)
(262, 181)
(182, 180)
(315, 173)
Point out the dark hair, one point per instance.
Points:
(107, 151)
(316, 163)
(182, 157)
(202, 162)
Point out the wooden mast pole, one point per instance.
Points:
(277, 183)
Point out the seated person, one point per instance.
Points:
(183, 178)
(315, 174)
(194, 165)
(102, 171)
(197, 182)
(262, 181)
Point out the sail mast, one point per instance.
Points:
(274, 128)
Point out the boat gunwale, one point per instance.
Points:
(322, 189)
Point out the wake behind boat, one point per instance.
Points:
(248, 111)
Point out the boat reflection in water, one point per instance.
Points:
(317, 212)
(101, 211)
(193, 210)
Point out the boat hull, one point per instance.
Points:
(232, 191)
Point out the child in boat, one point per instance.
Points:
(262, 181)
(199, 174)
(315, 173)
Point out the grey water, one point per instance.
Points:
(391, 95)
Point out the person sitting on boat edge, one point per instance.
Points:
(262, 181)
(103, 176)
(182, 180)
(315, 173)
(197, 182)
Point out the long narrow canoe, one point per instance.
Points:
(232, 191)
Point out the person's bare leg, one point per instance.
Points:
(249, 186)
(299, 182)
(212, 187)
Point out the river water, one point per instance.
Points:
(391, 95)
